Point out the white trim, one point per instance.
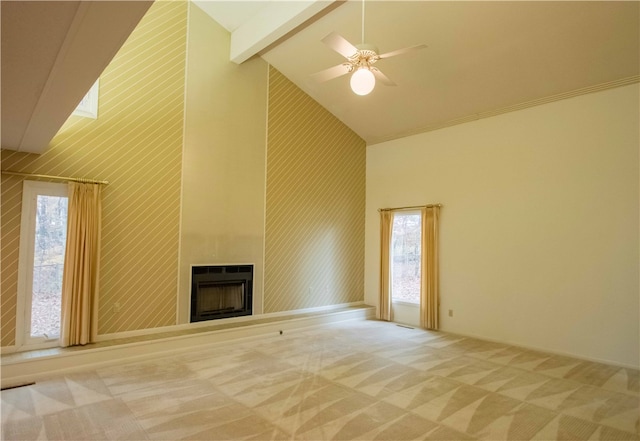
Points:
(30, 192)
(264, 202)
(407, 212)
(184, 145)
(23, 278)
(400, 302)
(325, 308)
(8, 349)
(546, 350)
(208, 323)
(273, 22)
(90, 108)
(35, 368)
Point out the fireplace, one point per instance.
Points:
(221, 291)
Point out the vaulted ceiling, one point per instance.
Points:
(52, 53)
(483, 58)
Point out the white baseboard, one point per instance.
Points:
(8, 349)
(205, 324)
(547, 350)
(20, 371)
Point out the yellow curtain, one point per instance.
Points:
(430, 283)
(384, 302)
(80, 278)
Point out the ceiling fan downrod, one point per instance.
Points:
(362, 40)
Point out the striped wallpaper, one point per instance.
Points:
(10, 240)
(136, 144)
(315, 189)
(315, 204)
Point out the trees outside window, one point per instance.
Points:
(42, 249)
(405, 257)
(48, 263)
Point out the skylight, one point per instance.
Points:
(88, 107)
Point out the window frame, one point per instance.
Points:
(30, 192)
(404, 302)
(90, 109)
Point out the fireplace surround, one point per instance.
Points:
(221, 291)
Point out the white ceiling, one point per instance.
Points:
(257, 25)
(232, 14)
(52, 53)
(482, 57)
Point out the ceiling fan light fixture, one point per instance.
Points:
(362, 81)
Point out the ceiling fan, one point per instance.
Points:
(360, 60)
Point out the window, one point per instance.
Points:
(88, 107)
(42, 248)
(405, 257)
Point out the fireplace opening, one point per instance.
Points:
(221, 291)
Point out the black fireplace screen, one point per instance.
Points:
(221, 291)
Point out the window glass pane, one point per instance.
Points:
(88, 107)
(405, 257)
(48, 263)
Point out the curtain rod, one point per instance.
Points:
(60, 178)
(407, 208)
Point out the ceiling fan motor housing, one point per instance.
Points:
(367, 55)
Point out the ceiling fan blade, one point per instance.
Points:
(403, 51)
(339, 44)
(331, 73)
(382, 77)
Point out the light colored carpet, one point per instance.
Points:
(364, 380)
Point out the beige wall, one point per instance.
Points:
(136, 144)
(315, 256)
(173, 204)
(539, 233)
(224, 158)
(314, 238)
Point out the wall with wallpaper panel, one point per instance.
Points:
(136, 144)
